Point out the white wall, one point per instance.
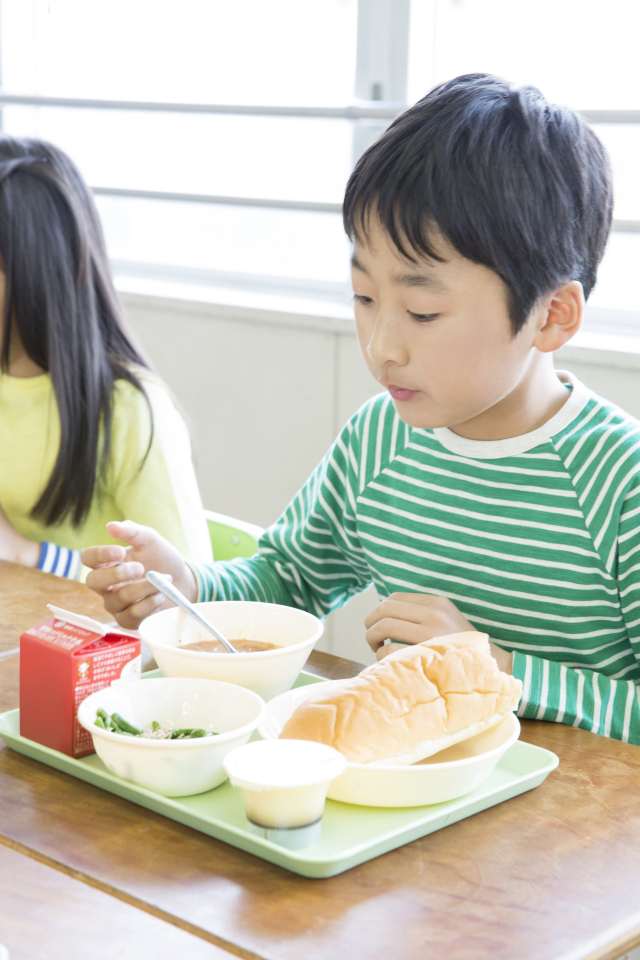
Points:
(612, 371)
(266, 391)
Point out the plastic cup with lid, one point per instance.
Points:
(284, 783)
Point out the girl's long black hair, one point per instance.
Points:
(61, 300)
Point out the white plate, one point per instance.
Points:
(444, 776)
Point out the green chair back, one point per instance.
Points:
(231, 538)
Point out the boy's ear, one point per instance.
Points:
(560, 317)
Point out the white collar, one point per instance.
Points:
(495, 449)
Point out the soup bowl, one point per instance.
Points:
(266, 672)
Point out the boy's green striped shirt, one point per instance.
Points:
(536, 540)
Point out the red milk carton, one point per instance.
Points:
(62, 661)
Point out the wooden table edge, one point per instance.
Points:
(133, 901)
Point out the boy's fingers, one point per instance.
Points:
(103, 579)
(120, 586)
(127, 594)
(402, 609)
(131, 617)
(98, 556)
(391, 629)
(389, 648)
(134, 533)
(426, 599)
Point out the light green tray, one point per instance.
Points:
(350, 834)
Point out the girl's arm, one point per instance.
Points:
(14, 547)
(48, 557)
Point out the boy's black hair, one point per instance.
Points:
(513, 182)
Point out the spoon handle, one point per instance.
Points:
(165, 586)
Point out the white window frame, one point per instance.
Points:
(382, 58)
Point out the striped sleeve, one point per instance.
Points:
(581, 698)
(606, 702)
(60, 561)
(311, 557)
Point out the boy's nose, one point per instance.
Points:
(386, 343)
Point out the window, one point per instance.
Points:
(216, 54)
(218, 137)
(579, 52)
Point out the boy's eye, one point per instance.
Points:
(360, 299)
(423, 317)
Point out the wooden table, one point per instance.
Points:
(551, 875)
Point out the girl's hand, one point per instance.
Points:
(416, 617)
(118, 572)
(14, 547)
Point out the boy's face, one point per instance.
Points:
(438, 335)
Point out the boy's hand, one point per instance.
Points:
(412, 618)
(118, 572)
(416, 617)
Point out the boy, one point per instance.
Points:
(482, 489)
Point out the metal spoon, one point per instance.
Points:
(165, 586)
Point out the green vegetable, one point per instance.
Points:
(125, 727)
(118, 724)
(107, 722)
(115, 723)
(188, 733)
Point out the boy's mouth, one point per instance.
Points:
(401, 393)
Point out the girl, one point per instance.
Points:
(86, 429)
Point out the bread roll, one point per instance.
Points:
(411, 704)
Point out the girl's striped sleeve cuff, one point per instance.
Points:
(580, 698)
(61, 561)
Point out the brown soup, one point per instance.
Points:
(242, 646)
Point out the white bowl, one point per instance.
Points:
(267, 672)
(444, 776)
(173, 768)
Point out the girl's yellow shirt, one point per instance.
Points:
(161, 492)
